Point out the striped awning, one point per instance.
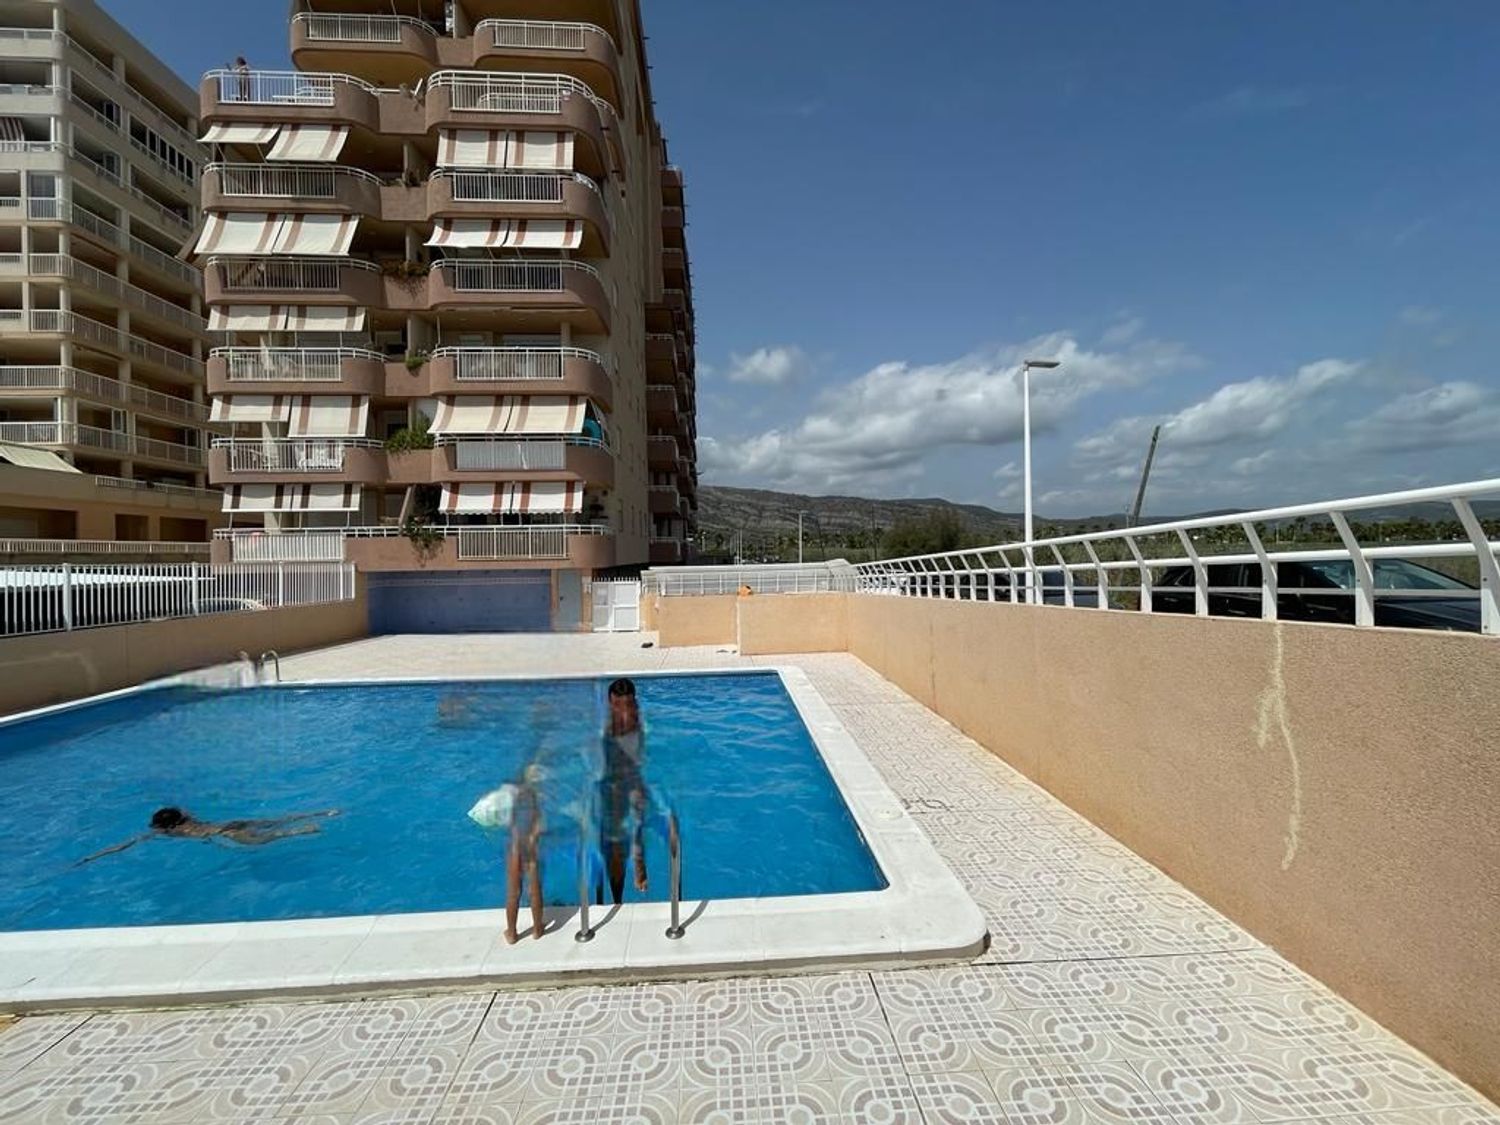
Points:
(529, 234)
(11, 129)
(286, 318)
(239, 133)
(505, 148)
(255, 232)
(513, 498)
(291, 498)
(309, 142)
(509, 414)
(250, 408)
(328, 416)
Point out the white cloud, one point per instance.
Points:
(1420, 315)
(1122, 332)
(885, 421)
(1253, 101)
(1449, 414)
(767, 366)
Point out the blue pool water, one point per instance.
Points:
(402, 763)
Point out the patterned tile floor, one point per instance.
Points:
(1111, 994)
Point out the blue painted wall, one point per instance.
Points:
(460, 601)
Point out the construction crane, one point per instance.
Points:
(1133, 516)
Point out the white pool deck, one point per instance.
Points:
(1108, 994)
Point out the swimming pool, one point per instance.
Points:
(401, 762)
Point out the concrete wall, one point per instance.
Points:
(694, 621)
(56, 667)
(1333, 790)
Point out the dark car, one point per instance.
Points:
(1324, 591)
(975, 586)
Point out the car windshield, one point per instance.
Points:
(1390, 574)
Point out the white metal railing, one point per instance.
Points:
(32, 146)
(256, 275)
(494, 92)
(511, 187)
(335, 28)
(291, 365)
(499, 364)
(285, 181)
(103, 229)
(541, 35)
(1038, 570)
(290, 455)
(140, 106)
(836, 576)
(156, 158)
(93, 112)
(115, 441)
(280, 87)
(515, 275)
(136, 485)
(28, 33)
(492, 543)
(100, 547)
(46, 598)
(490, 454)
(100, 386)
(302, 546)
(61, 265)
(546, 541)
(156, 209)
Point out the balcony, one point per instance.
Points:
(584, 50)
(665, 552)
(551, 288)
(91, 439)
(661, 356)
(388, 50)
(524, 195)
(581, 546)
(356, 371)
(273, 460)
(288, 96)
(328, 281)
(661, 408)
(311, 187)
(140, 302)
(665, 500)
(50, 381)
(521, 371)
(661, 452)
(460, 99)
(542, 458)
(55, 322)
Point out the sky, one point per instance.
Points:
(1270, 228)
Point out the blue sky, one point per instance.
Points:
(1272, 227)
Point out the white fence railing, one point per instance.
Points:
(63, 265)
(497, 544)
(511, 187)
(519, 275)
(100, 547)
(167, 487)
(290, 455)
(67, 596)
(534, 541)
(484, 92)
(289, 365)
(335, 28)
(115, 441)
(280, 87)
(1361, 588)
(482, 455)
(301, 546)
(498, 364)
(101, 387)
(790, 578)
(258, 275)
(541, 35)
(285, 181)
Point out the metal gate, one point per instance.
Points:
(617, 607)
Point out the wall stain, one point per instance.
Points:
(1272, 720)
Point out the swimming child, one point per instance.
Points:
(172, 821)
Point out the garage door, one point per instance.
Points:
(469, 601)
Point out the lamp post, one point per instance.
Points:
(800, 514)
(1026, 366)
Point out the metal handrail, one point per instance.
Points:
(284, 181)
(513, 275)
(63, 265)
(101, 547)
(268, 365)
(498, 364)
(248, 273)
(674, 857)
(333, 27)
(56, 377)
(542, 35)
(941, 574)
(513, 92)
(527, 186)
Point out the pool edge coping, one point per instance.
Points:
(923, 915)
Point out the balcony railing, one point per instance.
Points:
(516, 275)
(55, 378)
(69, 433)
(526, 454)
(498, 364)
(96, 332)
(157, 486)
(286, 546)
(513, 93)
(103, 229)
(512, 187)
(289, 365)
(498, 544)
(285, 181)
(328, 27)
(171, 169)
(159, 212)
(533, 541)
(140, 106)
(281, 87)
(61, 265)
(541, 35)
(100, 547)
(290, 455)
(257, 275)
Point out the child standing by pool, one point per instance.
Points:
(518, 806)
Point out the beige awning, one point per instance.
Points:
(513, 498)
(309, 142)
(255, 232)
(505, 148)
(527, 234)
(239, 133)
(28, 458)
(509, 414)
(291, 498)
(328, 416)
(251, 408)
(286, 318)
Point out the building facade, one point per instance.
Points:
(102, 332)
(447, 253)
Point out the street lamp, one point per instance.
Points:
(1026, 366)
(800, 514)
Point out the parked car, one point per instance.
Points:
(1326, 593)
(974, 586)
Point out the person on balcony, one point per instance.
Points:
(241, 79)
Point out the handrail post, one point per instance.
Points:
(1200, 574)
(193, 580)
(1145, 572)
(67, 597)
(674, 852)
(1101, 579)
(585, 931)
(1364, 577)
(1489, 569)
(1268, 582)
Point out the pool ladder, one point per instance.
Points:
(674, 859)
(257, 667)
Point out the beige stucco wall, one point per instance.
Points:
(792, 623)
(695, 621)
(55, 667)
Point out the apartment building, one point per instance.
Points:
(448, 255)
(102, 332)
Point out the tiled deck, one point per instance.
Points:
(1111, 994)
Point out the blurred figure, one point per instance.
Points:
(622, 791)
